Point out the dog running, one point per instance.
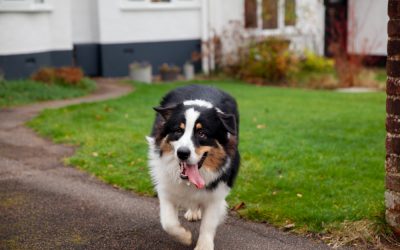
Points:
(194, 159)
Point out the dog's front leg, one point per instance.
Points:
(213, 215)
(171, 224)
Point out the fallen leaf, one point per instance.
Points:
(95, 154)
(289, 226)
(239, 206)
(261, 126)
(299, 195)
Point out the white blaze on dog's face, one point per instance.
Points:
(196, 134)
(186, 141)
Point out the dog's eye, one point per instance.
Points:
(179, 131)
(201, 134)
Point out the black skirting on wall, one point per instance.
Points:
(108, 60)
(88, 57)
(23, 65)
(117, 57)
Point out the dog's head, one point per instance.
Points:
(198, 137)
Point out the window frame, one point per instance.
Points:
(136, 5)
(24, 6)
(281, 27)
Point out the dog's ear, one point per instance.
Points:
(166, 112)
(229, 122)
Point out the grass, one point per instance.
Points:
(21, 92)
(368, 77)
(380, 75)
(310, 158)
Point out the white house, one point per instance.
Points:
(360, 24)
(104, 36)
(367, 25)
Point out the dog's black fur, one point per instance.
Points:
(216, 124)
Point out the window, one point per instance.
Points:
(270, 14)
(24, 5)
(250, 16)
(290, 12)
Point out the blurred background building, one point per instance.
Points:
(103, 37)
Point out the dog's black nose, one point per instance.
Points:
(183, 153)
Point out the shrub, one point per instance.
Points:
(315, 63)
(63, 75)
(45, 75)
(87, 84)
(269, 60)
(315, 72)
(69, 75)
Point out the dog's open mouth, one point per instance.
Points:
(192, 173)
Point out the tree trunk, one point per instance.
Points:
(392, 195)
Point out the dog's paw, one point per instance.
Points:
(193, 215)
(185, 238)
(204, 245)
(180, 234)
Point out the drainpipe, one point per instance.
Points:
(211, 31)
(205, 37)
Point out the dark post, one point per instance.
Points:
(392, 195)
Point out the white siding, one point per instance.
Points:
(310, 26)
(123, 25)
(85, 21)
(368, 27)
(27, 32)
(60, 25)
(224, 11)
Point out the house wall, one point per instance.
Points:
(104, 36)
(85, 21)
(227, 21)
(367, 27)
(222, 12)
(122, 24)
(86, 36)
(117, 33)
(310, 27)
(30, 39)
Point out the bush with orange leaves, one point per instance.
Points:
(62, 75)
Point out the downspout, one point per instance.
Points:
(205, 37)
(211, 33)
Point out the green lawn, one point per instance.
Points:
(313, 158)
(20, 92)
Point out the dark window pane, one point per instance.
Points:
(290, 12)
(270, 14)
(250, 14)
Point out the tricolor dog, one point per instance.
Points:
(194, 159)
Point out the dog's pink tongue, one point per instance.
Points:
(192, 171)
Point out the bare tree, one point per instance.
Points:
(392, 194)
